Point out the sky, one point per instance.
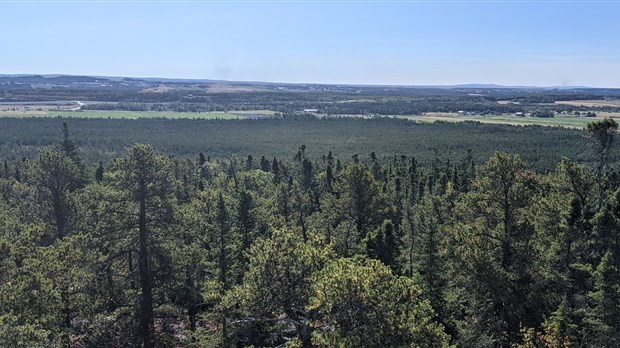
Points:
(526, 43)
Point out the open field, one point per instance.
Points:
(138, 114)
(227, 88)
(591, 103)
(39, 107)
(568, 121)
(561, 121)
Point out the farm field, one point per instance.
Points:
(558, 121)
(568, 121)
(139, 114)
(590, 103)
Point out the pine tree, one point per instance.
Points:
(99, 172)
(382, 244)
(606, 298)
(264, 164)
(275, 169)
(361, 303)
(55, 175)
(146, 183)
(603, 133)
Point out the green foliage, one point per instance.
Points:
(275, 290)
(603, 133)
(103, 139)
(55, 175)
(362, 198)
(308, 250)
(493, 245)
(550, 337)
(360, 303)
(382, 244)
(606, 298)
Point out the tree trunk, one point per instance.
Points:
(59, 214)
(303, 225)
(191, 306)
(146, 284)
(132, 283)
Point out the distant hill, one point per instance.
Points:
(52, 79)
(68, 79)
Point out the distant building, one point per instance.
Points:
(586, 114)
(519, 114)
(311, 110)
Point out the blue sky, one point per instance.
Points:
(548, 43)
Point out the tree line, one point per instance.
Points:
(347, 104)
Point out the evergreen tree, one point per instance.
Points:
(603, 133)
(362, 196)
(146, 184)
(275, 169)
(360, 303)
(382, 245)
(264, 164)
(99, 172)
(606, 298)
(55, 175)
(492, 244)
(276, 289)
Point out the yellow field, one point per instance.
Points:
(568, 121)
(590, 103)
(140, 114)
(36, 108)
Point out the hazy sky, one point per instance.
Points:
(545, 43)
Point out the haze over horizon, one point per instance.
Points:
(510, 43)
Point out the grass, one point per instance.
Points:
(254, 112)
(590, 103)
(136, 114)
(567, 121)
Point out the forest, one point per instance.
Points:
(149, 247)
(105, 139)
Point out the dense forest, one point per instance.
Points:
(155, 250)
(105, 139)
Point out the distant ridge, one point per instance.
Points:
(64, 78)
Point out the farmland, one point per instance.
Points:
(590, 103)
(116, 114)
(568, 121)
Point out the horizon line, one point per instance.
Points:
(198, 79)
